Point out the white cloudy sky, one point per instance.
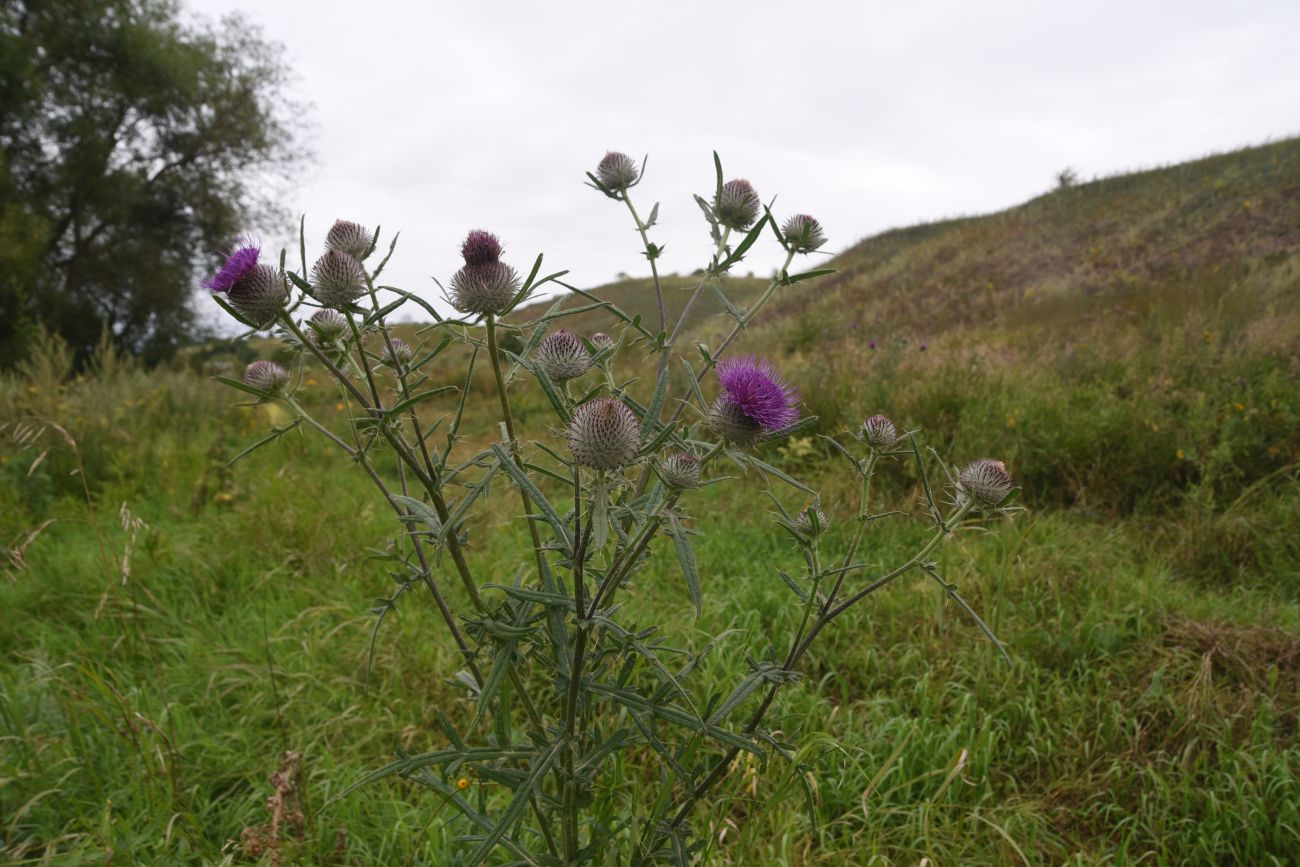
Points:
(438, 117)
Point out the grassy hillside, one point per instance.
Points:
(1130, 346)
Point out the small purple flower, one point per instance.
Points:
(871, 344)
(481, 248)
(758, 392)
(923, 346)
(240, 261)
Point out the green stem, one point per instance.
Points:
(864, 514)
(512, 441)
(654, 269)
(570, 800)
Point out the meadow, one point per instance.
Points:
(174, 623)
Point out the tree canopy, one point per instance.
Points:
(133, 147)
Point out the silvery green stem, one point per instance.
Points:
(695, 296)
(618, 569)
(754, 309)
(513, 444)
(654, 269)
(400, 370)
(864, 514)
(570, 792)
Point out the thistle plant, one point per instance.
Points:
(582, 734)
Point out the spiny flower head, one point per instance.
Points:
(398, 352)
(803, 522)
(485, 288)
(803, 233)
(730, 422)
(986, 480)
(754, 386)
(266, 376)
(238, 264)
(330, 324)
(258, 292)
(738, 205)
(681, 470)
(617, 171)
(602, 341)
(604, 434)
(879, 432)
(480, 248)
(351, 238)
(337, 279)
(562, 355)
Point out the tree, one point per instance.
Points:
(131, 146)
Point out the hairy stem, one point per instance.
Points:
(652, 256)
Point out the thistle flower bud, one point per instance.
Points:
(260, 296)
(351, 238)
(257, 292)
(337, 279)
(730, 422)
(681, 470)
(604, 434)
(738, 206)
(879, 432)
(602, 341)
(480, 248)
(803, 233)
(986, 481)
(266, 376)
(617, 171)
(804, 524)
(330, 324)
(398, 352)
(485, 288)
(562, 355)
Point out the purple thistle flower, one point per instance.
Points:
(754, 387)
(871, 344)
(481, 248)
(240, 261)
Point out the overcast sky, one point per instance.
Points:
(438, 117)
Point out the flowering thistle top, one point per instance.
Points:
(562, 355)
(266, 376)
(879, 432)
(617, 171)
(803, 233)
(338, 278)
(681, 470)
(754, 386)
(258, 292)
(803, 522)
(604, 434)
(240, 261)
(351, 238)
(398, 352)
(738, 205)
(986, 480)
(329, 324)
(480, 248)
(485, 285)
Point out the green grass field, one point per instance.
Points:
(1131, 347)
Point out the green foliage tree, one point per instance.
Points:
(131, 146)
